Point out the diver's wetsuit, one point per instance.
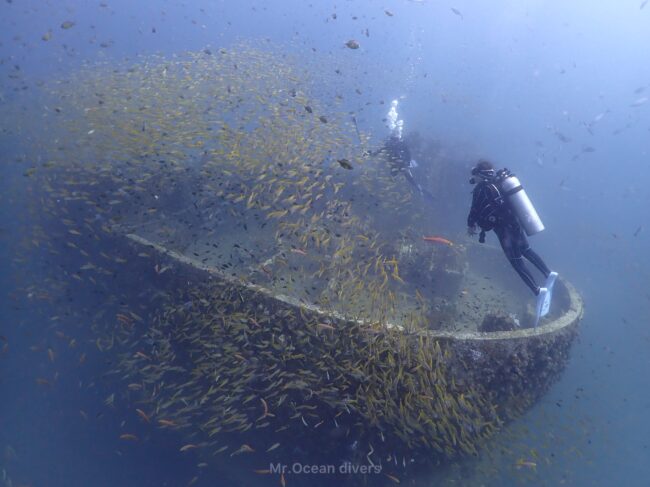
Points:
(491, 212)
(399, 156)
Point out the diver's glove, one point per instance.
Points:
(471, 230)
(413, 164)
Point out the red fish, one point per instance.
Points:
(439, 240)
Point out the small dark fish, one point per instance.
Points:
(308, 108)
(345, 164)
(640, 89)
(352, 44)
(322, 119)
(68, 24)
(207, 51)
(334, 16)
(643, 4)
(638, 230)
(562, 137)
(47, 36)
(292, 92)
(389, 13)
(457, 12)
(588, 149)
(367, 32)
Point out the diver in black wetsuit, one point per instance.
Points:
(397, 152)
(491, 211)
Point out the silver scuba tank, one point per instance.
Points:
(521, 205)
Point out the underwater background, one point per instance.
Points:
(555, 91)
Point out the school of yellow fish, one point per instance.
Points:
(235, 146)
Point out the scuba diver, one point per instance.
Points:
(398, 154)
(499, 203)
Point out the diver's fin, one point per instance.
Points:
(550, 282)
(543, 301)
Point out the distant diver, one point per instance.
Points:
(398, 154)
(500, 203)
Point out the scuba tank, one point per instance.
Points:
(523, 208)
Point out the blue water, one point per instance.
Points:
(501, 81)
